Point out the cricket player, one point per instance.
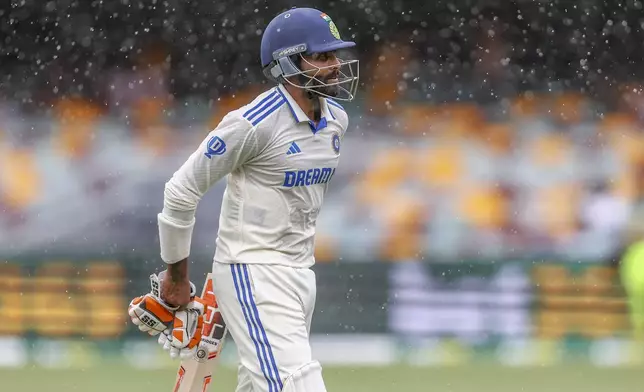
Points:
(279, 153)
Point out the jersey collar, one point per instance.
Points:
(298, 113)
(326, 112)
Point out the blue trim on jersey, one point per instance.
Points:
(315, 128)
(260, 103)
(331, 112)
(321, 125)
(263, 108)
(261, 327)
(268, 112)
(252, 326)
(334, 103)
(289, 105)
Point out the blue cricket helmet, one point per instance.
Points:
(304, 31)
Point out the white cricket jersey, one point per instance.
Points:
(278, 166)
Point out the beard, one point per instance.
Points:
(331, 91)
(319, 87)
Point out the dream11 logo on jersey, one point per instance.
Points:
(215, 146)
(295, 178)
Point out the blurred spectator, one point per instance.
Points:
(604, 212)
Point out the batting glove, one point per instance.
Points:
(150, 313)
(184, 337)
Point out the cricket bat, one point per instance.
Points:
(195, 374)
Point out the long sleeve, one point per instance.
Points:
(225, 149)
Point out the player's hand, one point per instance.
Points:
(152, 314)
(184, 337)
(176, 289)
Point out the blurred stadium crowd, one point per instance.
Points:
(482, 129)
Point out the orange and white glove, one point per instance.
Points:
(150, 313)
(184, 337)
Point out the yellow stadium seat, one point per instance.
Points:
(455, 129)
(76, 119)
(74, 140)
(568, 107)
(20, 178)
(149, 126)
(498, 137)
(467, 112)
(550, 150)
(104, 276)
(483, 207)
(10, 278)
(405, 217)
(617, 122)
(629, 145)
(325, 249)
(598, 280)
(625, 185)
(56, 275)
(442, 165)
(109, 268)
(148, 112)
(527, 104)
(457, 120)
(13, 300)
(387, 169)
(550, 278)
(158, 141)
(557, 207)
(416, 119)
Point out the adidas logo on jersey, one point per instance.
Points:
(293, 149)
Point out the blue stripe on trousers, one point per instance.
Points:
(254, 335)
(261, 328)
(249, 302)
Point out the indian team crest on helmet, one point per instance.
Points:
(332, 26)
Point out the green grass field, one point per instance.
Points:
(470, 378)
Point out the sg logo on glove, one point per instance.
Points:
(150, 314)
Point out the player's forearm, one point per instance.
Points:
(178, 272)
(175, 286)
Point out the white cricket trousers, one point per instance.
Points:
(268, 311)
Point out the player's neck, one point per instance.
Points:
(302, 99)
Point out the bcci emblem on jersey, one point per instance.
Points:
(335, 142)
(216, 146)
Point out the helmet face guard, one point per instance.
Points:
(283, 69)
